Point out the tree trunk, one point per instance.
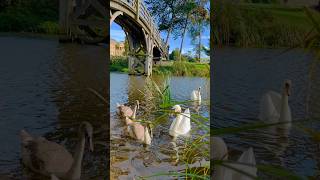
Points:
(168, 35)
(183, 35)
(199, 50)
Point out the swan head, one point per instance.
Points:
(177, 108)
(287, 87)
(87, 128)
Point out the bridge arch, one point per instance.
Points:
(141, 32)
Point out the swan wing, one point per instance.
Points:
(138, 130)
(220, 149)
(249, 167)
(194, 95)
(173, 130)
(270, 106)
(184, 125)
(48, 157)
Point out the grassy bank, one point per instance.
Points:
(184, 69)
(30, 16)
(120, 64)
(260, 25)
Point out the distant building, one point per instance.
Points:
(116, 48)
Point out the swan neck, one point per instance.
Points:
(75, 171)
(134, 112)
(284, 113)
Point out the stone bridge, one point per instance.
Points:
(85, 20)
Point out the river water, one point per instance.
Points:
(241, 76)
(43, 89)
(130, 159)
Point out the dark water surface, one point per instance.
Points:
(43, 89)
(241, 77)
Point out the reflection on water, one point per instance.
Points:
(43, 89)
(242, 76)
(129, 158)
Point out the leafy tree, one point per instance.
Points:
(167, 13)
(200, 19)
(175, 55)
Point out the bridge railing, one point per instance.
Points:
(146, 16)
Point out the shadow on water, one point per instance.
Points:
(242, 76)
(44, 91)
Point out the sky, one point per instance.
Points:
(118, 34)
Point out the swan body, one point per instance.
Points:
(248, 166)
(51, 159)
(139, 132)
(247, 158)
(196, 95)
(274, 106)
(126, 111)
(136, 130)
(220, 149)
(181, 124)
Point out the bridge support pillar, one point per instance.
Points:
(131, 65)
(149, 57)
(148, 65)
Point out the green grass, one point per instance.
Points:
(184, 69)
(260, 25)
(119, 64)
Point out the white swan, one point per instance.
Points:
(275, 107)
(220, 149)
(246, 163)
(126, 111)
(196, 95)
(220, 152)
(181, 124)
(51, 159)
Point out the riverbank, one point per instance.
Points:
(260, 25)
(30, 16)
(120, 64)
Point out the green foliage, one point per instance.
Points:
(174, 55)
(259, 25)
(48, 27)
(119, 64)
(30, 16)
(184, 69)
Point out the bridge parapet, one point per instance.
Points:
(143, 14)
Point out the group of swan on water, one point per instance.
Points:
(274, 108)
(51, 159)
(180, 126)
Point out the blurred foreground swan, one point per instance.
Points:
(51, 159)
(126, 111)
(181, 124)
(275, 107)
(196, 95)
(246, 163)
